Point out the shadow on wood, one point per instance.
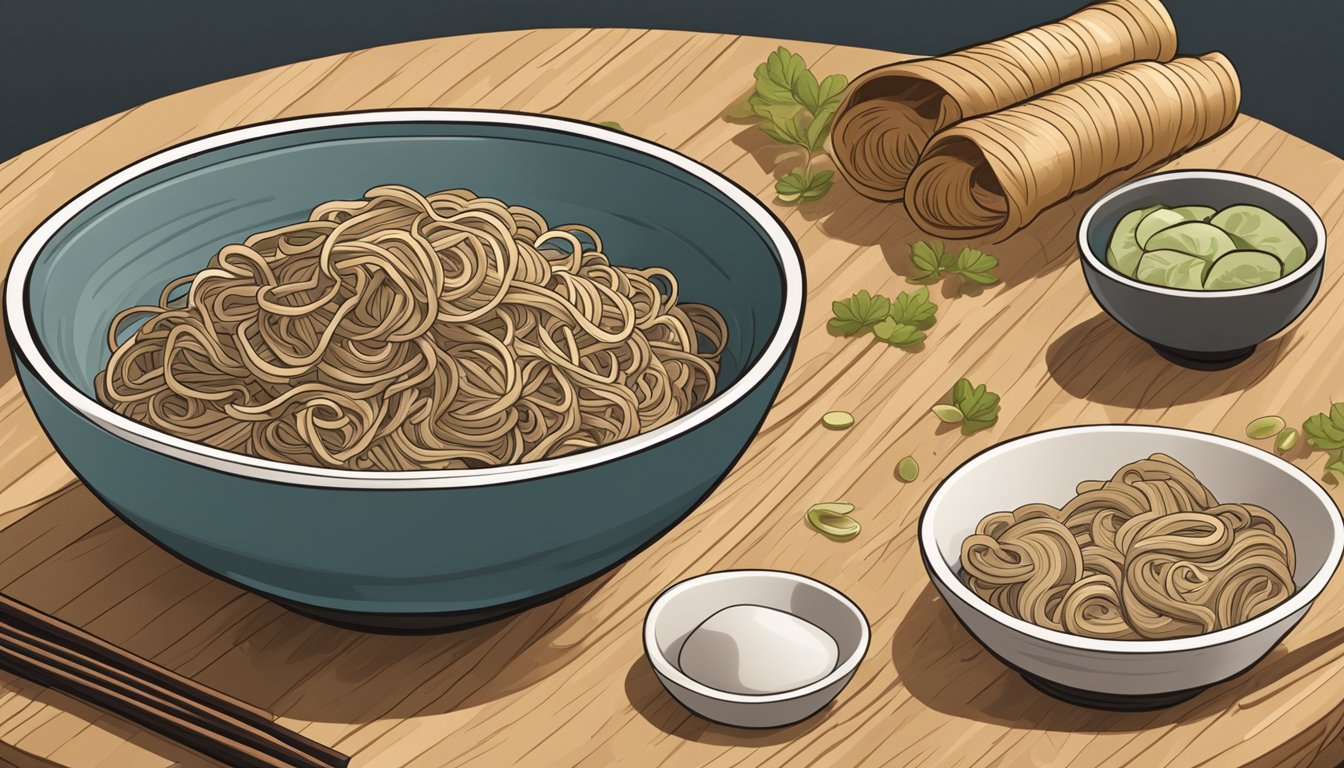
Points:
(665, 713)
(73, 558)
(946, 669)
(1099, 361)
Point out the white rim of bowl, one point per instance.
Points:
(789, 260)
(665, 667)
(1318, 228)
(1300, 599)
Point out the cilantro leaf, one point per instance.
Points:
(775, 78)
(799, 185)
(928, 261)
(914, 309)
(820, 127)
(797, 110)
(859, 313)
(898, 334)
(818, 185)
(831, 91)
(790, 131)
(976, 266)
(807, 91)
(1326, 431)
(979, 406)
(613, 125)
(1335, 466)
(791, 187)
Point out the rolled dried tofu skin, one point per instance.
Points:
(890, 113)
(994, 174)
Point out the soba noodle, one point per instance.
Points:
(404, 332)
(1149, 554)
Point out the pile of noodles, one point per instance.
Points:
(405, 332)
(1149, 554)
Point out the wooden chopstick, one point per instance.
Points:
(49, 651)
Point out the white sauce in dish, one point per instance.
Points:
(751, 649)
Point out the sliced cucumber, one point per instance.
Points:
(1194, 238)
(1243, 269)
(1172, 269)
(1124, 250)
(1263, 231)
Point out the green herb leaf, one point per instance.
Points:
(820, 127)
(914, 308)
(979, 406)
(948, 414)
(791, 188)
(613, 125)
(1326, 431)
(807, 91)
(832, 91)
(928, 261)
(818, 185)
(776, 77)
(898, 334)
(1335, 466)
(859, 313)
(975, 266)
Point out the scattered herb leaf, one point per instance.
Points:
(803, 185)
(978, 406)
(931, 260)
(613, 125)
(914, 309)
(928, 260)
(1335, 466)
(898, 334)
(859, 313)
(975, 266)
(797, 110)
(1326, 431)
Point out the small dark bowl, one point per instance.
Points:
(1201, 329)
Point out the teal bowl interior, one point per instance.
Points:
(412, 549)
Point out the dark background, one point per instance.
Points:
(64, 63)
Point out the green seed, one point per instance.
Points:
(1287, 439)
(950, 414)
(839, 527)
(833, 507)
(837, 420)
(1263, 427)
(908, 469)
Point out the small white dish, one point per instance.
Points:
(679, 610)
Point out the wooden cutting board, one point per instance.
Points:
(567, 683)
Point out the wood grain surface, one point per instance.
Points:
(567, 683)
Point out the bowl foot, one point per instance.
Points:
(1111, 701)
(1204, 361)
(410, 623)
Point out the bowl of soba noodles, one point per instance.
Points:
(406, 369)
(1129, 567)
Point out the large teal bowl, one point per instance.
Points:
(412, 550)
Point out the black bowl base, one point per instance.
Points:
(1204, 361)
(1110, 701)
(411, 623)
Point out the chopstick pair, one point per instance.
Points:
(46, 650)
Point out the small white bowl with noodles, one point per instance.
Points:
(1261, 541)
